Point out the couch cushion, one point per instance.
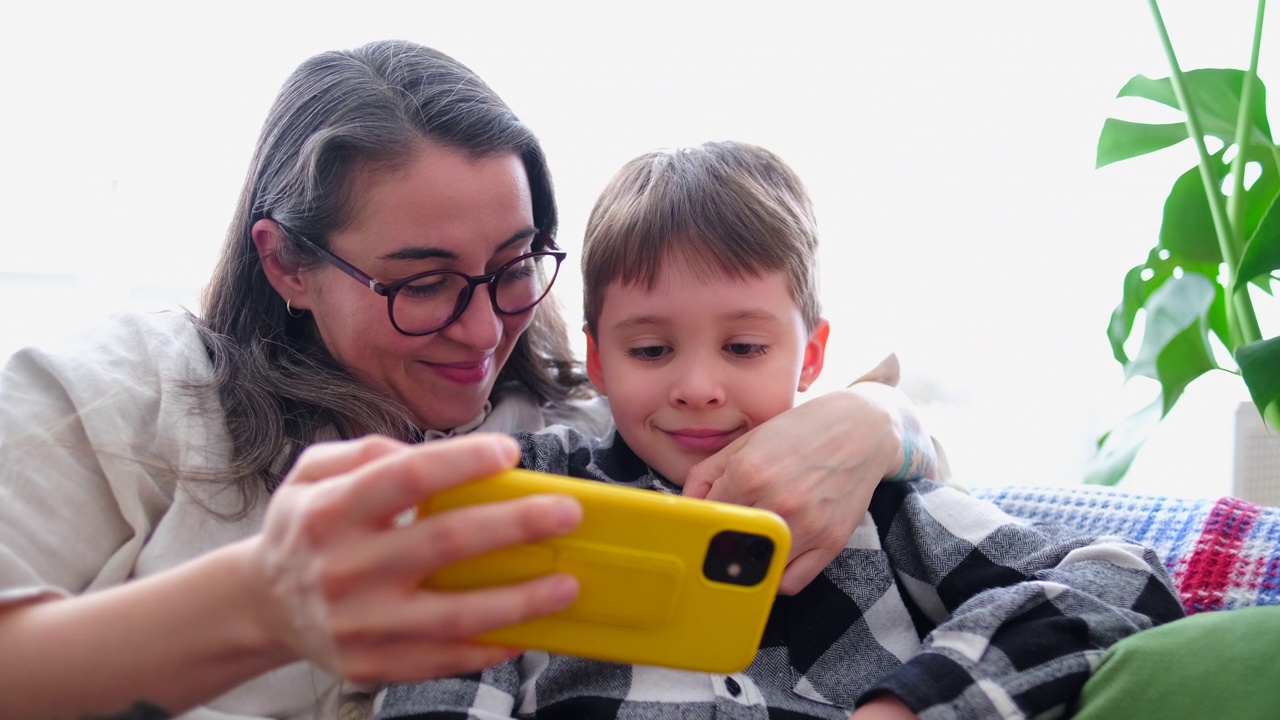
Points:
(1211, 665)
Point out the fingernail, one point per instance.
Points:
(564, 589)
(566, 512)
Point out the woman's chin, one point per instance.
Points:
(456, 410)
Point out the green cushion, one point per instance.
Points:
(1223, 664)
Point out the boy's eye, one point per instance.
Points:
(648, 352)
(746, 350)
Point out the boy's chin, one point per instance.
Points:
(676, 471)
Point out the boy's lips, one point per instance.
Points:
(702, 439)
(467, 372)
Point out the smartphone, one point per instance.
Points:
(664, 580)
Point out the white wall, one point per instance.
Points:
(948, 146)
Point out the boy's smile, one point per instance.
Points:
(698, 360)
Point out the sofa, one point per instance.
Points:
(1223, 659)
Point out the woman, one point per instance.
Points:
(177, 466)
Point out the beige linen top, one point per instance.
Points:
(92, 438)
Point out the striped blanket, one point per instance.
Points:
(1222, 554)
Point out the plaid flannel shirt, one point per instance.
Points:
(939, 598)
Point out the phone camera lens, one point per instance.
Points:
(738, 558)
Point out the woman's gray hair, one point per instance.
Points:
(339, 113)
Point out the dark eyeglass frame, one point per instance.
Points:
(391, 289)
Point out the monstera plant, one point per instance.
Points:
(1218, 249)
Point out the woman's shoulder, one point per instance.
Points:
(131, 371)
(127, 346)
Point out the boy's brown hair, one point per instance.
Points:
(723, 208)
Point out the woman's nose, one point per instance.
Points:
(479, 326)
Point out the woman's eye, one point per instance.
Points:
(746, 350)
(648, 352)
(431, 287)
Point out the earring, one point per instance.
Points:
(292, 313)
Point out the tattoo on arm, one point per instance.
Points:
(917, 452)
(141, 710)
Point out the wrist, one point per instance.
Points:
(881, 405)
(255, 631)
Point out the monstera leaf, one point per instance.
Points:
(1196, 281)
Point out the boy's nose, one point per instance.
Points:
(697, 386)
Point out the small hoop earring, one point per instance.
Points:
(292, 313)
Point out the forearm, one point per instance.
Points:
(173, 640)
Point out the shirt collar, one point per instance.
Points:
(462, 429)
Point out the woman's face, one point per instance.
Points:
(443, 210)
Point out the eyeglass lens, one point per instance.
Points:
(429, 303)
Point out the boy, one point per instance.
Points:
(702, 322)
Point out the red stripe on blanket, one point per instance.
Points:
(1205, 577)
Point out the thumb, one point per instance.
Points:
(801, 571)
(703, 476)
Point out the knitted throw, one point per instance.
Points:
(1222, 554)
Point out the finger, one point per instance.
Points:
(703, 477)
(382, 489)
(801, 571)
(408, 554)
(455, 534)
(401, 660)
(464, 615)
(328, 459)
(426, 616)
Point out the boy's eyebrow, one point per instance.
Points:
(639, 321)
(419, 252)
(751, 314)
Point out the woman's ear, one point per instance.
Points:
(815, 352)
(593, 362)
(292, 286)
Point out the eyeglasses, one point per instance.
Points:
(431, 301)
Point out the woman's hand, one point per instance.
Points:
(817, 466)
(331, 579)
(340, 578)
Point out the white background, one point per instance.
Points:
(949, 147)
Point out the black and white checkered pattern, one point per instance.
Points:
(941, 599)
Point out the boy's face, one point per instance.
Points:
(694, 363)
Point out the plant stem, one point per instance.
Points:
(1241, 320)
(1244, 137)
(1239, 298)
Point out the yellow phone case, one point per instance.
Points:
(664, 580)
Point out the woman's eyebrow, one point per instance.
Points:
(424, 252)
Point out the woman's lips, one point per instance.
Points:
(463, 373)
(702, 439)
